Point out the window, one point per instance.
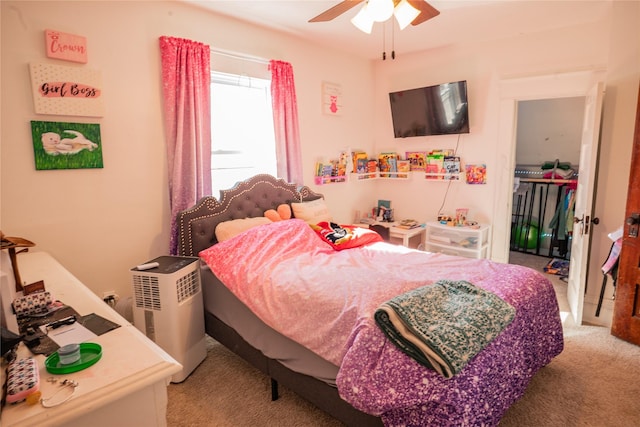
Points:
(242, 136)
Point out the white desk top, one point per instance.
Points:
(129, 363)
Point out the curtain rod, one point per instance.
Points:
(239, 56)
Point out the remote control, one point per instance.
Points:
(148, 266)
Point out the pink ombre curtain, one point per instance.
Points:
(285, 120)
(187, 112)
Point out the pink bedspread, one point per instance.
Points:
(325, 300)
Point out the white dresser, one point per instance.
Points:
(126, 387)
(460, 241)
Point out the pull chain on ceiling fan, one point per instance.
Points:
(384, 44)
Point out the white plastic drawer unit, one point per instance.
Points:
(459, 241)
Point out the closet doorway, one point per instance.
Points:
(547, 158)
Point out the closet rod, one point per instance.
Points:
(240, 56)
(549, 180)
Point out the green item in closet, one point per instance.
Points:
(551, 165)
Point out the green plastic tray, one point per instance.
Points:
(90, 353)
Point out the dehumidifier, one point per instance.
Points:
(168, 309)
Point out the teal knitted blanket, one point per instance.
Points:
(444, 325)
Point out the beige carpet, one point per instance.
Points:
(595, 382)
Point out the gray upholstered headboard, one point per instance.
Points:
(247, 199)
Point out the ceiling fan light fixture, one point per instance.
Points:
(380, 10)
(405, 13)
(363, 20)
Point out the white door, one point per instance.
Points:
(584, 201)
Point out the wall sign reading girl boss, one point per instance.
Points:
(69, 91)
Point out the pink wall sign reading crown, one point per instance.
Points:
(68, 47)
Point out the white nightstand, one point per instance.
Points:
(127, 387)
(460, 241)
(406, 234)
(389, 231)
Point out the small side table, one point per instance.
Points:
(406, 234)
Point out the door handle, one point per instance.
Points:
(586, 221)
(580, 220)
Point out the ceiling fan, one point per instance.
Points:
(421, 11)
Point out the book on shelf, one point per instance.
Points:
(435, 164)
(361, 165)
(417, 159)
(385, 163)
(443, 152)
(393, 166)
(359, 158)
(431, 171)
(451, 166)
(372, 166)
(404, 166)
(344, 162)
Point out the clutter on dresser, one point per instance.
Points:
(45, 324)
(56, 399)
(23, 380)
(461, 219)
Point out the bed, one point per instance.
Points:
(284, 299)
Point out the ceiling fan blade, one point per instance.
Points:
(336, 11)
(426, 11)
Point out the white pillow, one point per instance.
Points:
(228, 229)
(312, 212)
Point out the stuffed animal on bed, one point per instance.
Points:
(280, 214)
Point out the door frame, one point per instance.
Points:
(512, 91)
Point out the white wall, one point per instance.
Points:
(101, 222)
(549, 129)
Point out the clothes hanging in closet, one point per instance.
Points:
(563, 217)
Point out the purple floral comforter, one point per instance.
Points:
(325, 300)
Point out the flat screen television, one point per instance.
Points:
(433, 110)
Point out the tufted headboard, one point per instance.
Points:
(247, 199)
